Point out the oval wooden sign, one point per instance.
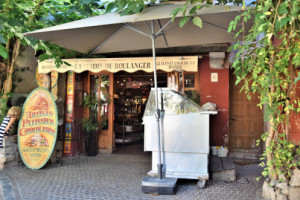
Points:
(37, 129)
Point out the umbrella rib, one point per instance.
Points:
(219, 27)
(162, 32)
(147, 27)
(105, 41)
(133, 28)
(173, 27)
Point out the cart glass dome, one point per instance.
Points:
(173, 103)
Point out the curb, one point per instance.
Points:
(6, 190)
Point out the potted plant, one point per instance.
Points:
(90, 126)
(90, 129)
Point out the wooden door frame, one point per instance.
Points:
(104, 148)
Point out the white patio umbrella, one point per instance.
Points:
(115, 33)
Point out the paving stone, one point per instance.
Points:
(118, 176)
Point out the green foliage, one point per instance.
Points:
(284, 152)
(18, 17)
(266, 63)
(88, 125)
(90, 101)
(189, 8)
(125, 7)
(3, 108)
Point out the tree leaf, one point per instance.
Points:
(43, 57)
(110, 7)
(174, 13)
(197, 21)
(2, 40)
(3, 52)
(282, 9)
(138, 8)
(193, 11)
(183, 21)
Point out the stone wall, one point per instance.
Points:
(284, 189)
(9, 154)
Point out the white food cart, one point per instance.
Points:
(184, 137)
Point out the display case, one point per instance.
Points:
(184, 136)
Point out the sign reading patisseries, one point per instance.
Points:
(168, 64)
(37, 129)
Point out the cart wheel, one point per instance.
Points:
(201, 184)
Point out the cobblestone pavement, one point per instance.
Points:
(116, 176)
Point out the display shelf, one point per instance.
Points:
(128, 123)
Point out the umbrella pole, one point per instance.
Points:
(157, 110)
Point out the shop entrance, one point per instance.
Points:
(131, 92)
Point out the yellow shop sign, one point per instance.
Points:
(37, 129)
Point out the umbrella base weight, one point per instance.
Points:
(154, 185)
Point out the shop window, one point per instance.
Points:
(189, 80)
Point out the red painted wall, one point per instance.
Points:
(218, 93)
(295, 123)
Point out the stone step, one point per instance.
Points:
(222, 169)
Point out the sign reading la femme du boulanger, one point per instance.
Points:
(167, 64)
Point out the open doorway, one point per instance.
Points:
(131, 91)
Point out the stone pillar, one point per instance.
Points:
(216, 60)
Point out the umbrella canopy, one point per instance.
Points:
(115, 33)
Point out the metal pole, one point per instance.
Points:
(162, 114)
(157, 111)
